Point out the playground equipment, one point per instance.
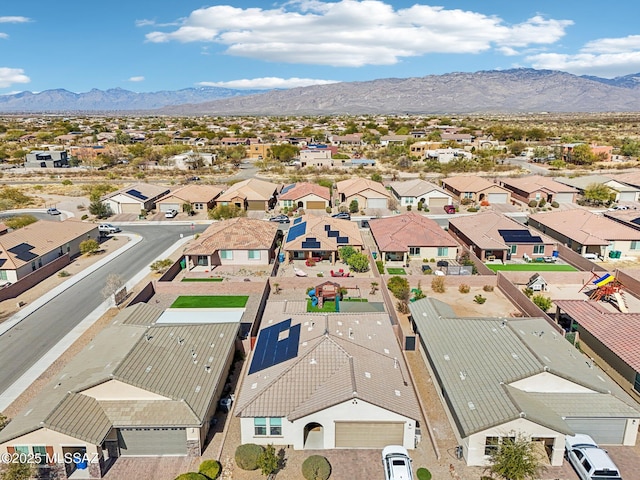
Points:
(607, 287)
(325, 291)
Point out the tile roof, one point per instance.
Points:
(319, 227)
(583, 182)
(148, 190)
(28, 243)
(194, 193)
(340, 357)
(483, 229)
(532, 183)
(408, 230)
(303, 189)
(470, 183)
(416, 188)
(250, 189)
(585, 227)
(630, 178)
(240, 233)
(361, 186)
(482, 366)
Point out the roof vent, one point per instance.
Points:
(149, 368)
(207, 368)
(471, 406)
(367, 374)
(523, 415)
(463, 374)
(397, 393)
(313, 362)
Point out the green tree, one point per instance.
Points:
(99, 209)
(358, 262)
(187, 208)
(345, 252)
(516, 459)
(268, 460)
(17, 471)
(89, 246)
(517, 148)
(400, 288)
(543, 303)
(630, 148)
(582, 155)
(285, 152)
(353, 206)
(597, 193)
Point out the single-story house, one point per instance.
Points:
(367, 193)
(586, 232)
(237, 241)
(537, 187)
(308, 196)
(313, 236)
(446, 155)
(250, 194)
(146, 385)
(192, 160)
(327, 381)
(134, 198)
(621, 191)
(29, 248)
(476, 189)
(413, 192)
(412, 236)
(198, 197)
(386, 140)
(46, 159)
(501, 378)
(493, 236)
(611, 338)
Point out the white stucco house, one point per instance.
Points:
(413, 192)
(319, 381)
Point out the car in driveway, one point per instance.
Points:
(107, 228)
(280, 219)
(397, 463)
(589, 460)
(170, 213)
(450, 209)
(53, 211)
(342, 215)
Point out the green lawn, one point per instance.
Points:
(396, 271)
(328, 306)
(212, 279)
(531, 267)
(210, 301)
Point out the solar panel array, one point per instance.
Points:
(311, 242)
(297, 220)
(23, 252)
(274, 348)
(519, 236)
(296, 230)
(135, 193)
(343, 240)
(287, 188)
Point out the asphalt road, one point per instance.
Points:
(29, 340)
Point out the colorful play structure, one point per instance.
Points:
(607, 288)
(325, 291)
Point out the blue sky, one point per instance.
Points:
(147, 46)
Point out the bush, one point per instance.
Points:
(533, 203)
(555, 204)
(84, 217)
(437, 285)
(66, 181)
(63, 273)
(380, 266)
(423, 474)
(402, 307)
(316, 467)
(159, 266)
(400, 288)
(247, 456)
(345, 252)
(20, 221)
(464, 288)
(408, 208)
(223, 212)
(358, 262)
(268, 461)
(191, 476)
(210, 469)
(466, 201)
(528, 292)
(89, 246)
(479, 299)
(542, 202)
(472, 209)
(543, 303)
(488, 288)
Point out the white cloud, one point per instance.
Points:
(354, 33)
(3, 35)
(136, 79)
(268, 83)
(14, 19)
(606, 57)
(10, 76)
(145, 23)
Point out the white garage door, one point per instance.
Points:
(377, 203)
(497, 198)
(137, 442)
(605, 431)
(563, 197)
(169, 206)
(369, 434)
(131, 208)
(627, 197)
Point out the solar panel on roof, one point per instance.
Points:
(327, 227)
(296, 230)
(297, 220)
(311, 244)
(135, 193)
(343, 240)
(273, 348)
(333, 233)
(287, 188)
(23, 252)
(519, 236)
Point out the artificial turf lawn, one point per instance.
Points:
(396, 271)
(330, 305)
(531, 267)
(210, 301)
(214, 279)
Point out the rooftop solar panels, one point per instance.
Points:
(287, 188)
(333, 233)
(519, 236)
(343, 240)
(136, 193)
(297, 220)
(296, 230)
(276, 344)
(311, 243)
(23, 252)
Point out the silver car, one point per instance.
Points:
(397, 463)
(590, 461)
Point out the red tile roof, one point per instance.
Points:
(235, 234)
(397, 234)
(303, 189)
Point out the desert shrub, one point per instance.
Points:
(432, 260)
(528, 292)
(402, 307)
(437, 285)
(20, 221)
(160, 266)
(479, 299)
(472, 209)
(223, 212)
(210, 469)
(327, 209)
(488, 288)
(14, 198)
(84, 217)
(533, 203)
(380, 266)
(66, 181)
(63, 273)
(464, 288)
(316, 467)
(191, 476)
(542, 202)
(400, 288)
(466, 201)
(543, 303)
(555, 204)
(247, 456)
(89, 246)
(423, 474)
(408, 208)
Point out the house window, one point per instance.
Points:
(538, 249)
(468, 195)
(635, 245)
(254, 254)
(414, 251)
(202, 261)
(443, 251)
(198, 206)
(514, 249)
(275, 426)
(537, 195)
(491, 445)
(40, 454)
(260, 426)
(287, 203)
(22, 450)
(33, 265)
(3, 274)
(226, 254)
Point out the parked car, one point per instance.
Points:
(450, 209)
(280, 219)
(170, 213)
(397, 463)
(620, 207)
(342, 215)
(53, 211)
(589, 460)
(108, 228)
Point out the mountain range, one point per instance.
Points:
(496, 91)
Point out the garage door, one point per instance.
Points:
(369, 434)
(438, 202)
(563, 197)
(607, 431)
(377, 203)
(497, 198)
(169, 206)
(152, 441)
(130, 208)
(316, 205)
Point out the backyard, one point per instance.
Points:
(531, 267)
(210, 301)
